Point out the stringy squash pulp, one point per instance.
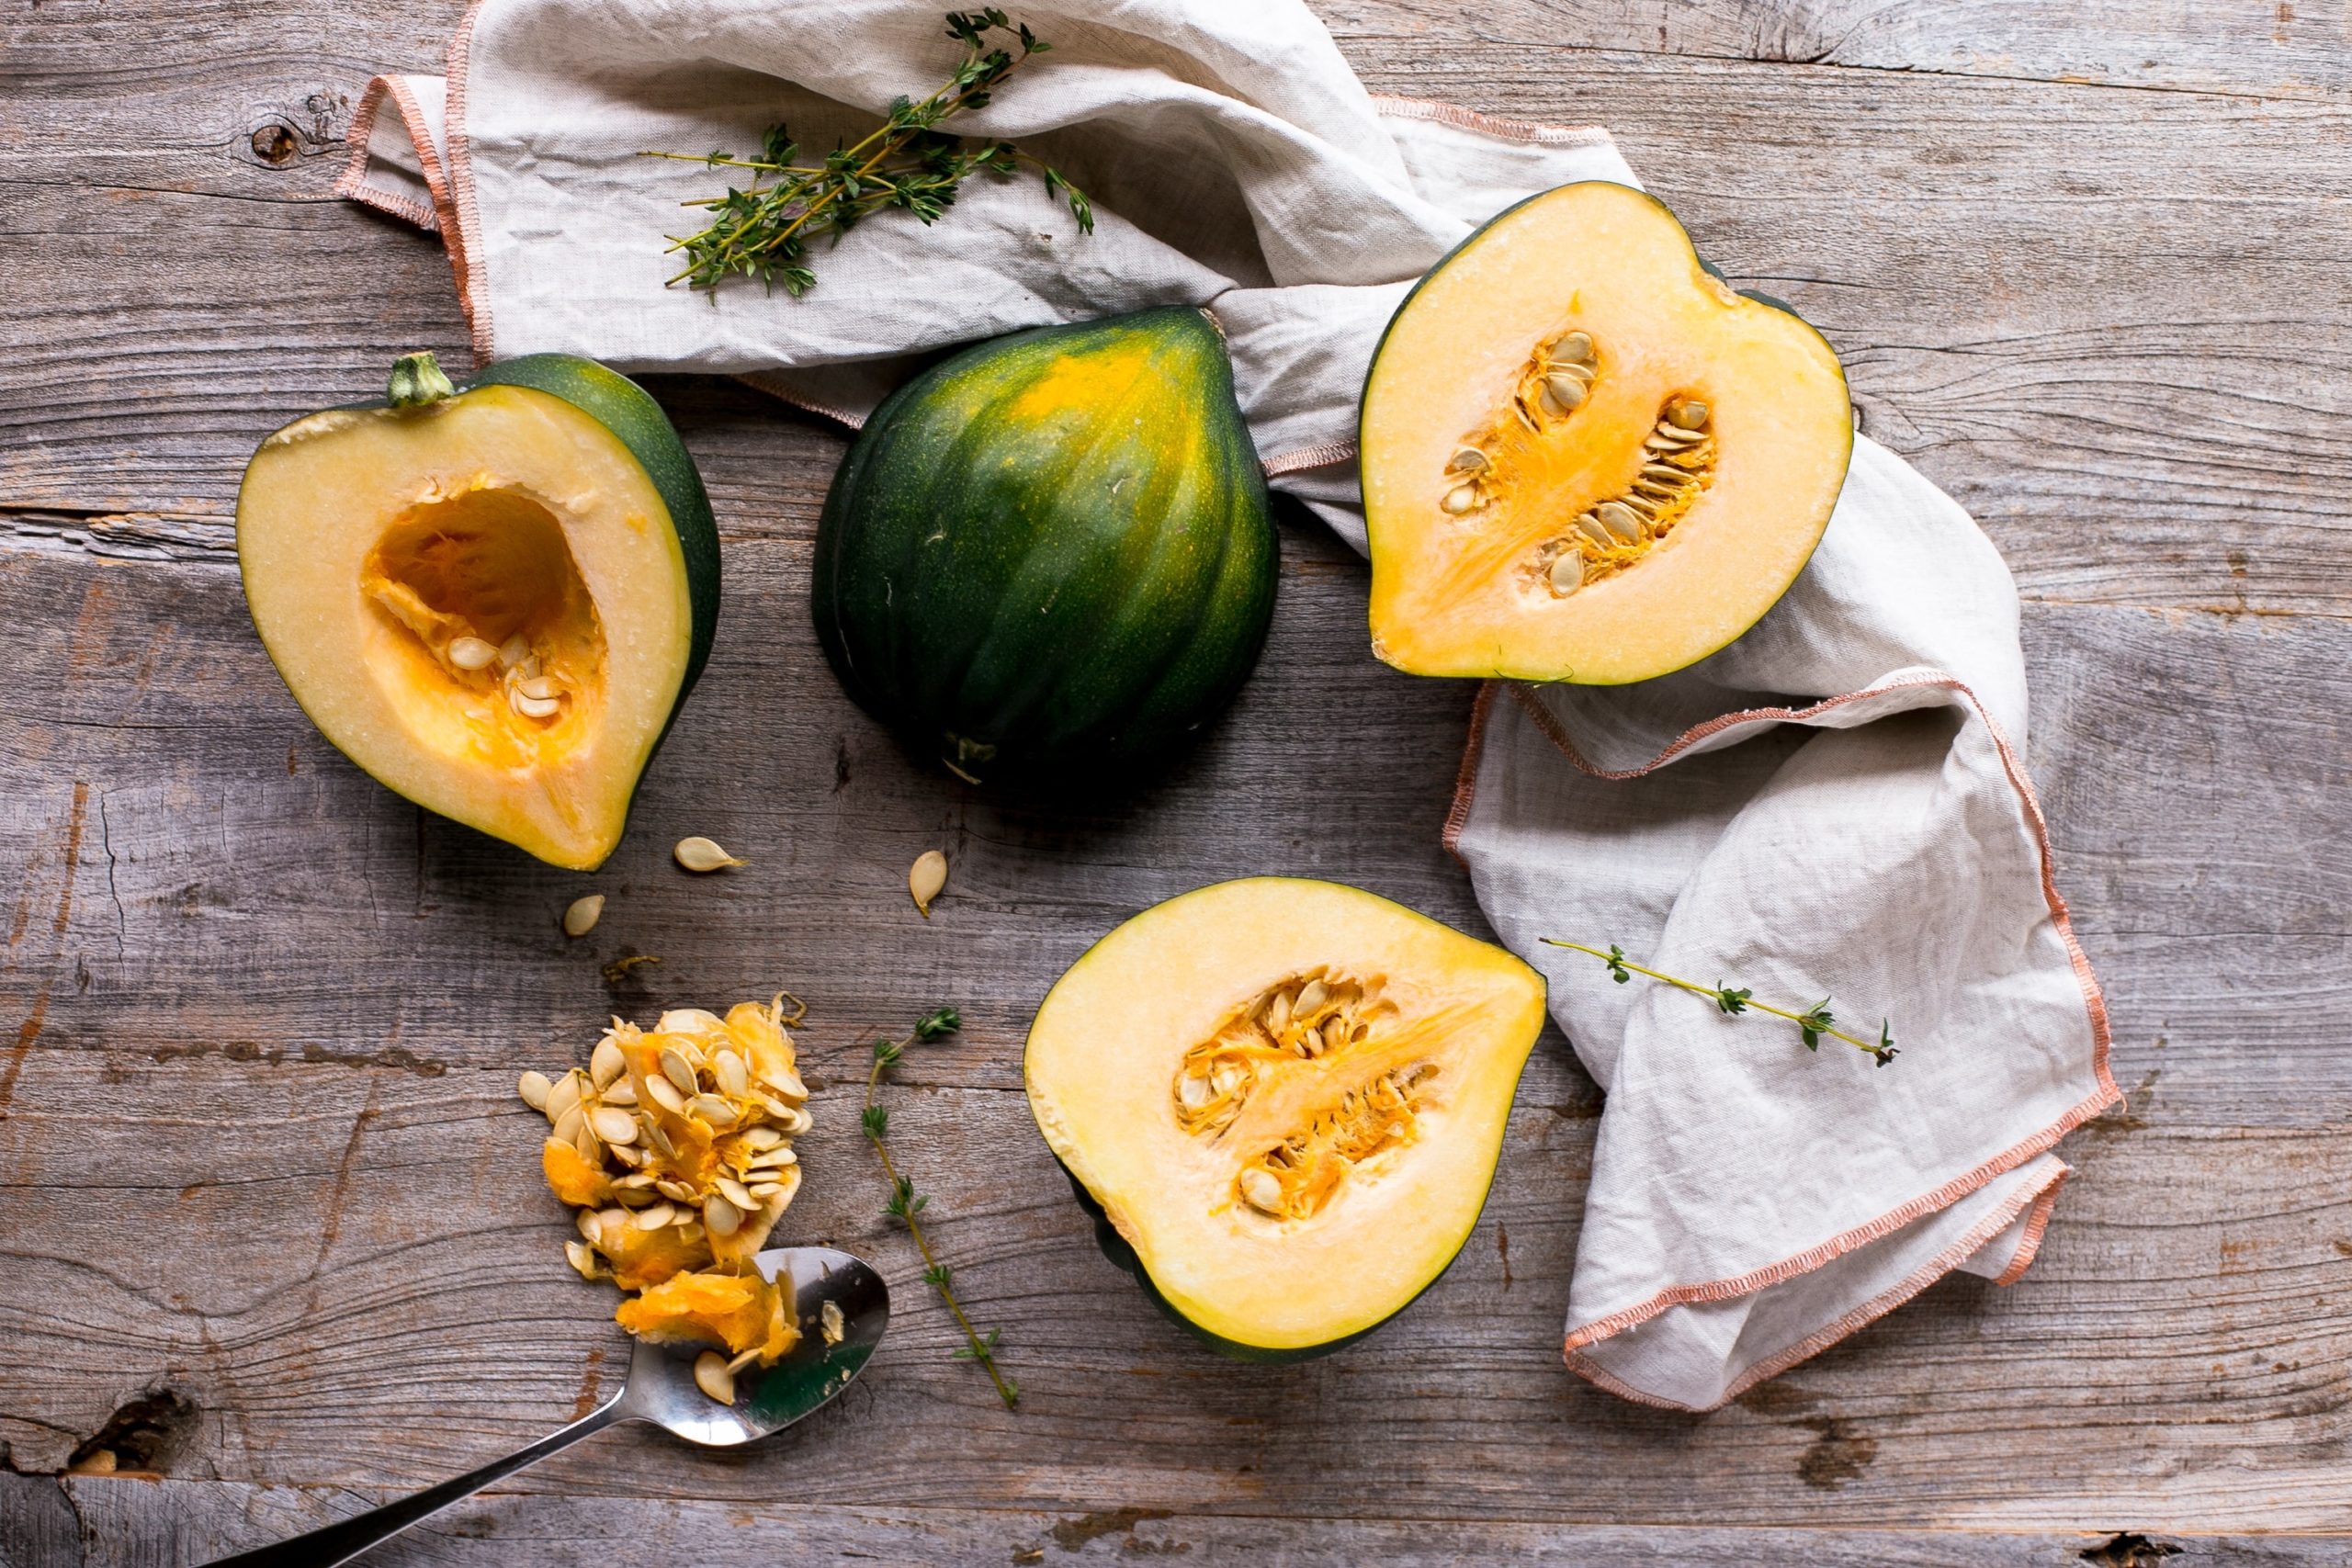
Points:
(1287, 1098)
(1585, 457)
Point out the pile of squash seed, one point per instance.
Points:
(674, 1146)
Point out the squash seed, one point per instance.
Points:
(1461, 499)
(712, 1109)
(829, 1322)
(539, 687)
(591, 1224)
(734, 1077)
(580, 916)
(533, 707)
(655, 1217)
(722, 1217)
(613, 1124)
(654, 1136)
(735, 1194)
(514, 650)
(788, 1084)
(1467, 460)
(1688, 415)
(567, 1125)
(774, 1159)
(471, 653)
(605, 1065)
(582, 1259)
(762, 1137)
(925, 878)
(712, 1377)
(690, 1021)
(1260, 1191)
(563, 1095)
(1575, 345)
(1619, 519)
(666, 1096)
(676, 1068)
(1567, 572)
(676, 1192)
(700, 854)
(533, 1088)
(1563, 394)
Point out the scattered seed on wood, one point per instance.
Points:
(925, 878)
(533, 1088)
(580, 916)
(699, 854)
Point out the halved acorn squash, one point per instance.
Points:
(494, 600)
(1585, 457)
(1283, 1099)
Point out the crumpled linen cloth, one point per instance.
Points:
(1835, 805)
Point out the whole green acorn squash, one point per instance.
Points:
(1051, 553)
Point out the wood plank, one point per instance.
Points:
(2256, 48)
(2106, 406)
(130, 1524)
(266, 1132)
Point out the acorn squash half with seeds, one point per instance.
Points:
(1585, 457)
(1282, 1102)
(494, 598)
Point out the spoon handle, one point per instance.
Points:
(346, 1539)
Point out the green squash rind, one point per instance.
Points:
(1123, 1255)
(1783, 306)
(1028, 593)
(629, 412)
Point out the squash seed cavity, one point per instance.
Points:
(1613, 535)
(1298, 1177)
(1313, 1020)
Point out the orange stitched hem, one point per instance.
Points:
(352, 183)
(1466, 781)
(464, 229)
(1308, 457)
(2030, 1244)
(2095, 1006)
(1490, 125)
(1878, 1306)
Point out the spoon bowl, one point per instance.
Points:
(661, 1389)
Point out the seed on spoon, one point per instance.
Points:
(925, 878)
(712, 1377)
(580, 916)
(699, 854)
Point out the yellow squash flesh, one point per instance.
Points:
(1361, 1230)
(373, 539)
(1461, 546)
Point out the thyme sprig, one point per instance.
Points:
(907, 1205)
(763, 230)
(1813, 1024)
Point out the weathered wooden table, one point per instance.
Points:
(271, 1230)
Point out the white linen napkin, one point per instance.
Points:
(1835, 805)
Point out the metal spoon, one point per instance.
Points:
(661, 1389)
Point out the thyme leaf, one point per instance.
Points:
(907, 1205)
(762, 230)
(1814, 1024)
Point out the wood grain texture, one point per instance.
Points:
(158, 1524)
(259, 1020)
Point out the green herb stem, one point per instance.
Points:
(907, 1204)
(1814, 1023)
(764, 230)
